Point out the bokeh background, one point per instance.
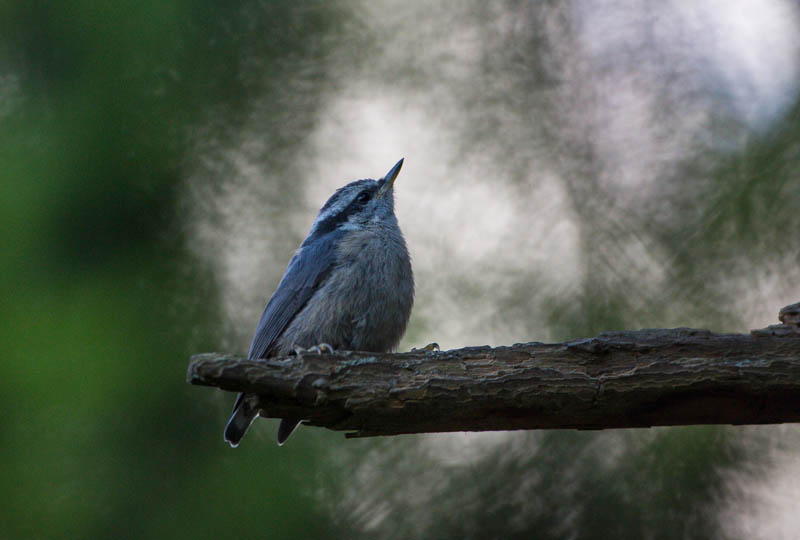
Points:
(571, 167)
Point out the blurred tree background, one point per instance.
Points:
(571, 167)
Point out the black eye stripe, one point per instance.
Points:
(339, 192)
(330, 223)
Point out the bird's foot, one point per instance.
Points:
(320, 348)
(429, 347)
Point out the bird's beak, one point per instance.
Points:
(388, 180)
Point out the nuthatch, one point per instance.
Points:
(349, 286)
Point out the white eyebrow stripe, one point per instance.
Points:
(343, 200)
(341, 203)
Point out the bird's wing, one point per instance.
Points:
(308, 268)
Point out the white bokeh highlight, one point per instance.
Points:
(475, 214)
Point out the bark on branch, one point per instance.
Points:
(643, 378)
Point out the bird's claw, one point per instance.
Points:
(429, 347)
(320, 348)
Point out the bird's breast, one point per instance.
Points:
(365, 302)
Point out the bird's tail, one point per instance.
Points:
(243, 415)
(286, 428)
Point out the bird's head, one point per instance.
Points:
(359, 205)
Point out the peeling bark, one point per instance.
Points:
(656, 377)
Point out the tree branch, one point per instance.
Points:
(616, 380)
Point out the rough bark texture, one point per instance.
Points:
(660, 377)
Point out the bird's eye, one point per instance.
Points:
(363, 197)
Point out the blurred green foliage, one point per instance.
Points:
(103, 304)
(102, 437)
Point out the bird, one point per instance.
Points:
(349, 286)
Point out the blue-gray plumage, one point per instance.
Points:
(349, 285)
